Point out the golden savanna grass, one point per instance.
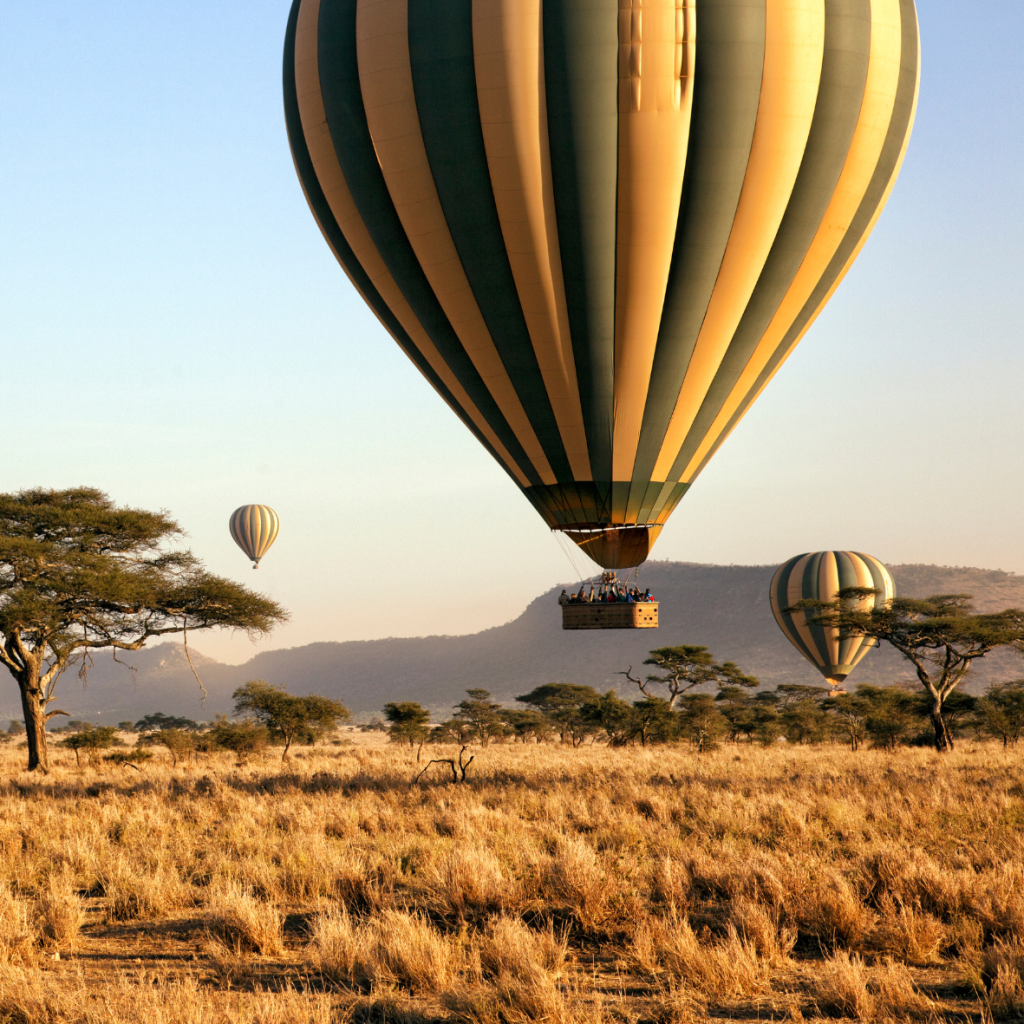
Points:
(556, 885)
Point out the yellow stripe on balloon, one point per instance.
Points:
(794, 50)
(828, 588)
(655, 104)
(385, 77)
(861, 161)
(339, 198)
(509, 69)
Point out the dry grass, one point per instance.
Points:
(395, 949)
(243, 923)
(568, 886)
(59, 914)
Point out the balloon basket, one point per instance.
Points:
(599, 614)
(618, 615)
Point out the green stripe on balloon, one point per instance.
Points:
(325, 218)
(581, 52)
(353, 146)
(444, 82)
(726, 93)
(840, 95)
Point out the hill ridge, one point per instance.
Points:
(723, 607)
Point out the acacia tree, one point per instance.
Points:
(940, 636)
(1000, 712)
(686, 667)
(481, 714)
(288, 716)
(78, 574)
(563, 704)
(409, 722)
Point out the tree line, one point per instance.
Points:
(884, 717)
(266, 715)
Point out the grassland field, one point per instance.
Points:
(555, 885)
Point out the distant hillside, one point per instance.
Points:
(723, 607)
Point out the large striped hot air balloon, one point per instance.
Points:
(254, 528)
(599, 227)
(819, 576)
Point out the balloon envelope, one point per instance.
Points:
(819, 576)
(254, 528)
(599, 227)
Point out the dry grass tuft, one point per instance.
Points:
(394, 949)
(841, 987)
(575, 881)
(514, 1002)
(469, 884)
(59, 914)
(511, 950)
(830, 909)
(243, 923)
(908, 934)
(760, 927)
(17, 935)
(896, 994)
(722, 968)
(137, 895)
(1003, 975)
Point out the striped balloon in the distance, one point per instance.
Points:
(819, 576)
(254, 528)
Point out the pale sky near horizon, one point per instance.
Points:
(178, 334)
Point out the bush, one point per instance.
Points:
(129, 757)
(242, 738)
(179, 743)
(92, 739)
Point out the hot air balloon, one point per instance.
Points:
(599, 227)
(819, 576)
(254, 528)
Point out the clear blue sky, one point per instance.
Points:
(177, 333)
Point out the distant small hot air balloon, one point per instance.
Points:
(254, 528)
(819, 576)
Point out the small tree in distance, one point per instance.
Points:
(481, 714)
(686, 667)
(564, 705)
(1000, 713)
(157, 720)
(241, 738)
(91, 739)
(178, 742)
(408, 723)
(288, 716)
(78, 574)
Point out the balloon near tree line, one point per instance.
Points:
(254, 528)
(599, 228)
(819, 576)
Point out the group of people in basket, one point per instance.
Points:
(606, 594)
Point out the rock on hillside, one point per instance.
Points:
(723, 607)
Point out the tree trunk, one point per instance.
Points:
(943, 737)
(35, 721)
